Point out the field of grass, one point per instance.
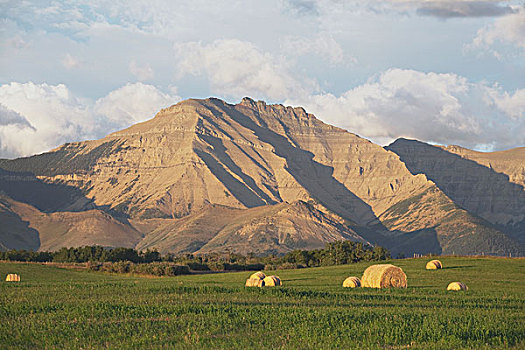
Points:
(58, 308)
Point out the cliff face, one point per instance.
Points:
(490, 185)
(205, 175)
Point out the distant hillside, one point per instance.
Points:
(489, 185)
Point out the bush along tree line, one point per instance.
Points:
(127, 260)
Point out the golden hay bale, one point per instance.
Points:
(272, 281)
(12, 277)
(260, 275)
(254, 282)
(384, 276)
(457, 286)
(434, 265)
(352, 282)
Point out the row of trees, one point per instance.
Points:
(336, 253)
(83, 254)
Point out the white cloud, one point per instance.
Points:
(70, 61)
(507, 30)
(53, 114)
(441, 108)
(323, 44)
(17, 42)
(11, 125)
(35, 118)
(141, 72)
(133, 103)
(511, 104)
(238, 68)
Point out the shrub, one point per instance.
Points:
(195, 266)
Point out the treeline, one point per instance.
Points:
(336, 253)
(83, 254)
(127, 260)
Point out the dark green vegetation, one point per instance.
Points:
(83, 254)
(154, 268)
(57, 308)
(129, 260)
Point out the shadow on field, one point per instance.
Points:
(458, 267)
(298, 279)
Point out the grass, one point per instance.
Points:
(58, 308)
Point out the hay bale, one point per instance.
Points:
(434, 265)
(12, 277)
(254, 282)
(384, 276)
(260, 275)
(457, 286)
(352, 282)
(272, 281)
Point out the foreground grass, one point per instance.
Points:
(58, 308)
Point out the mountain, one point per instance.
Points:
(487, 184)
(205, 175)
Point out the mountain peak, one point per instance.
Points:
(404, 141)
(248, 102)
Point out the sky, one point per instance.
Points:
(444, 72)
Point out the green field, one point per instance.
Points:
(58, 308)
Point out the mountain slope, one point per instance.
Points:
(205, 175)
(267, 229)
(15, 233)
(453, 230)
(489, 185)
(26, 227)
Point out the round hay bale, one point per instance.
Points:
(434, 265)
(272, 281)
(12, 277)
(457, 286)
(260, 275)
(352, 282)
(254, 282)
(384, 276)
